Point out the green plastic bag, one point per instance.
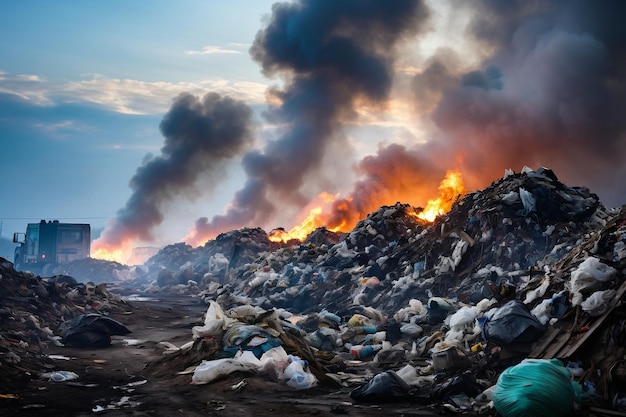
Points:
(535, 387)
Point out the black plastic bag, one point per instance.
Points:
(512, 323)
(384, 387)
(91, 330)
(447, 386)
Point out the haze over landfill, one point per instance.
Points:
(349, 106)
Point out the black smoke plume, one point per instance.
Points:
(201, 135)
(330, 54)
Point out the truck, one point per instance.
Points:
(47, 244)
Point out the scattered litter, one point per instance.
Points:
(60, 357)
(59, 376)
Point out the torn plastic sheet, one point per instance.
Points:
(598, 302)
(589, 275)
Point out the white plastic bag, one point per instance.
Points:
(598, 303)
(273, 363)
(589, 274)
(465, 315)
(296, 376)
(209, 371)
(215, 321)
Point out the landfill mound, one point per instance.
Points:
(33, 310)
(495, 237)
(93, 270)
(520, 280)
(526, 269)
(498, 236)
(513, 288)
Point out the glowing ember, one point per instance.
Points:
(450, 188)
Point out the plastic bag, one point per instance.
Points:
(273, 363)
(589, 274)
(297, 376)
(535, 387)
(465, 315)
(512, 323)
(215, 321)
(598, 303)
(91, 330)
(384, 387)
(209, 371)
(446, 386)
(528, 200)
(411, 330)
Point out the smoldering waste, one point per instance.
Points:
(525, 272)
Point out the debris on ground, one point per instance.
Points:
(32, 313)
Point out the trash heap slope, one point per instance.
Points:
(528, 268)
(513, 229)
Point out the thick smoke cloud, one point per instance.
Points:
(548, 89)
(330, 54)
(551, 94)
(394, 174)
(201, 135)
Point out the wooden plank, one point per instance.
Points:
(539, 350)
(604, 411)
(561, 340)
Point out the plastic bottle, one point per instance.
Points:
(364, 351)
(364, 329)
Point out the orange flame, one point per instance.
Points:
(449, 189)
(308, 225)
(108, 253)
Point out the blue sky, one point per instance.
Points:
(368, 102)
(84, 85)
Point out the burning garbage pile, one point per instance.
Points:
(469, 312)
(515, 278)
(498, 237)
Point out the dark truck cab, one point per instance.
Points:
(45, 245)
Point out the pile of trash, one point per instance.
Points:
(97, 271)
(37, 312)
(465, 312)
(517, 283)
(499, 237)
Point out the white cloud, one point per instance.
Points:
(211, 50)
(27, 87)
(125, 96)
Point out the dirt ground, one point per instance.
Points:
(114, 381)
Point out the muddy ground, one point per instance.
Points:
(116, 381)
